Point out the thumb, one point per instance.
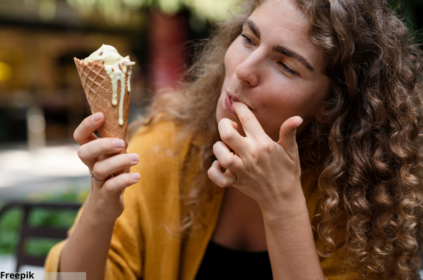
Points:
(287, 135)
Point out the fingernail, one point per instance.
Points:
(136, 176)
(134, 157)
(97, 117)
(298, 121)
(118, 143)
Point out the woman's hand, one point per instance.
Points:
(267, 171)
(102, 159)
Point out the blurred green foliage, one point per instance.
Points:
(10, 223)
(9, 229)
(410, 11)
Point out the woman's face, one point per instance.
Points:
(274, 68)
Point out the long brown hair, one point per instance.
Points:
(368, 138)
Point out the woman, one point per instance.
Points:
(307, 116)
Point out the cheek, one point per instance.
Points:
(283, 100)
(291, 97)
(233, 57)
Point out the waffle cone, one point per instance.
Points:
(98, 90)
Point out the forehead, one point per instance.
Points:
(286, 9)
(283, 22)
(284, 13)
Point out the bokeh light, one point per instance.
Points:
(47, 9)
(36, 123)
(5, 71)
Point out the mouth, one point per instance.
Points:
(234, 99)
(228, 103)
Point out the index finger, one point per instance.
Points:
(249, 122)
(84, 133)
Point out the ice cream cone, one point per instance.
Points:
(98, 90)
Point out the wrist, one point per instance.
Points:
(94, 217)
(285, 209)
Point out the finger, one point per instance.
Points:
(231, 137)
(226, 159)
(103, 169)
(92, 151)
(84, 133)
(223, 180)
(287, 136)
(249, 122)
(115, 185)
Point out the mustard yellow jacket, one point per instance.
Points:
(145, 244)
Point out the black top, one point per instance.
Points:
(223, 263)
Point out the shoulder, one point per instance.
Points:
(161, 138)
(162, 148)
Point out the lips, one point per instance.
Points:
(228, 105)
(234, 99)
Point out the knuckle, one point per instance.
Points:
(213, 175)
(108, 187)
(226, 136)
(264, 146)
(216, 146)
(215, 179)
(76, 136)
(81, 153)
(254, 157)
(245, 118)
(223, 122)
(222, 183)
(99, 171)
(226, 161)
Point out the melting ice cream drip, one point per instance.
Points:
(116, 68)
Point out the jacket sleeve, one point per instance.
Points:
(124, 259)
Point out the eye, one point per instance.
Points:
(287, 69)
(247, 40)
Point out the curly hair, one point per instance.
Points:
(367, 143)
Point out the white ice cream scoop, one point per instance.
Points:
(116, 67)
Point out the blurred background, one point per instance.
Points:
(42, 100)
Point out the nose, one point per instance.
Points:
(247, 71)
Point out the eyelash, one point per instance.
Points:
(287, 69)
(284, 68)
(247, 40)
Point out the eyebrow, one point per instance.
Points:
(280, 49)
